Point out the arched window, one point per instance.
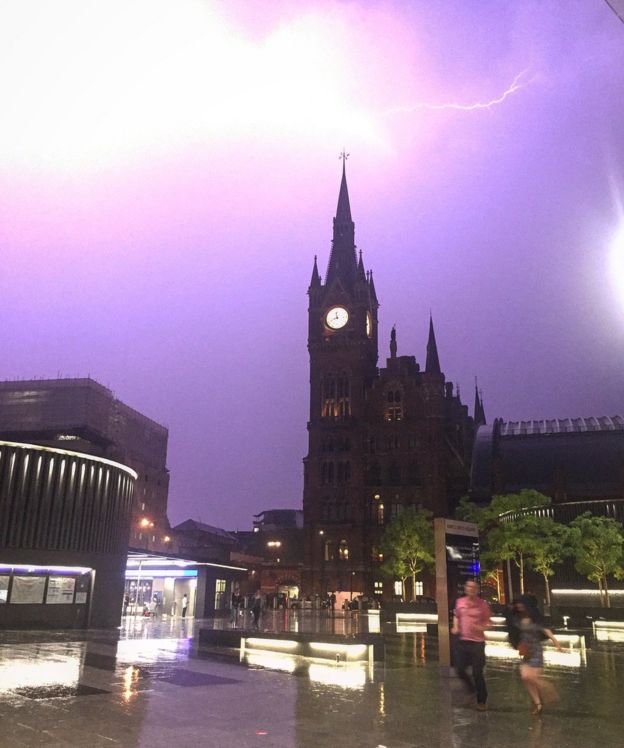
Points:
(336, 396)
(328, 551)
(343, 551)
(394, 398)
(394, 474)
(373, 474)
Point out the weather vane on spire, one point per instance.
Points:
(344, 156)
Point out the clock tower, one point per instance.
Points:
(342, 342)
(379, 439)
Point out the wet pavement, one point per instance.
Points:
(147, 685)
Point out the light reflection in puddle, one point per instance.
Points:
(351, 675)
(43, 672)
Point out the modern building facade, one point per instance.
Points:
(84, 416)
(64, 523)
(380, 439)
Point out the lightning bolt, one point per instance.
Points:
(517, 84)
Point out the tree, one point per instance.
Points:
(598, 547)
(550, 545)
(407, 545)
(510, 540)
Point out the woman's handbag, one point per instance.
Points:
(523, 649)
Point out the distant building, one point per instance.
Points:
(204, 542)
(84, 416)
(380, 439)
(274, 519)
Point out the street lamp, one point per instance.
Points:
(321, 534)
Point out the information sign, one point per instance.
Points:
(457, 561)
(27, 590)
(60, 590)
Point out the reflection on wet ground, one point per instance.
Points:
(147, 685)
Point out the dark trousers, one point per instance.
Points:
(472, 655)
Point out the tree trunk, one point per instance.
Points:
(606, 591)
(414, 587)
(509, 582)
(602, 604)
(547, 590)
(521, 567)
(498, 587)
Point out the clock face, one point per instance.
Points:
(369, 324)
(337, 317)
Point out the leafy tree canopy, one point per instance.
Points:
(407, 543)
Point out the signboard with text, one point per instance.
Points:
(457, 561)
(60, 590)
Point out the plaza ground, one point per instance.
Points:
(147, 685)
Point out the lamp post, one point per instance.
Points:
(321, 535)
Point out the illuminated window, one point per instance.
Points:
(398, 588)
(219, 594)
(379, 513)
(343, 551)
(336, 396)
(419, 588)
(394, 409)
(379, 588)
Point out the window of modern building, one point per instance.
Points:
(220, 594)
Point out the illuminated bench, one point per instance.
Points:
(608, 631)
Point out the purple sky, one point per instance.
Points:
(168, 171)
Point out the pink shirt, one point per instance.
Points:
(473, 616)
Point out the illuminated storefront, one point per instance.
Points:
(157, 583)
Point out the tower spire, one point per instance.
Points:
(393, 342)
(315, 281)
(433, 362)
(342, 260)
(479, 411)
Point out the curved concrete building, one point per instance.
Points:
(64, 526)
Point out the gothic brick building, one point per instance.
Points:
(380, 439)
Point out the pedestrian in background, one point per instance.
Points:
(471, 618)
(237, 602)
(185, 602)
(256, 609)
